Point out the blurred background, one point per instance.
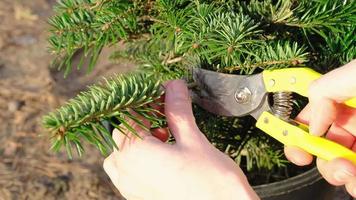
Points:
(29, 88)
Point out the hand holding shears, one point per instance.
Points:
(239, 95)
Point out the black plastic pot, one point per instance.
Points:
(307, 186)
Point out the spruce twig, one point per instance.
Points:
(272, 55)
(112, 101)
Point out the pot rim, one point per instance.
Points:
(288, 185)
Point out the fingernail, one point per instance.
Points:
(296, 160)
(343, 175)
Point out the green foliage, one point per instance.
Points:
(168, 37)
(342, 45)
(89, 25)
(280, 54)
(115, 101)
(261, 154)
(319, 16)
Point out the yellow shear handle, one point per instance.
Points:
(293, 80)
(298, 80)
(291, 135)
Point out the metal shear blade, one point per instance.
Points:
(230, 95)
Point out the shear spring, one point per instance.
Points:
(282, 105)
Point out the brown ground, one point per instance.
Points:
(29, 89)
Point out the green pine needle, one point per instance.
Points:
(112, 100)
(271, 55)
(89, 25)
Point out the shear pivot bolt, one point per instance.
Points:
(243, 95)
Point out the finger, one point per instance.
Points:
(351, 187)
(178, 110)
(159, 106)
(353, 148)
(338, 171)
(339, 84)
(161, 133)
(119, 139)
(304, 115)
(346, 118)
(140, 126)
(111, 169)
(335, 86)
(322, 115)
(126, 136)
(138, 122)
(297, 155)
(341, 136)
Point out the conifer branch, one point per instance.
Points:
(342, 46)
(259, 153)
(323, 14)
(276, 13)
(89, 25)
(112, 100)
(319, 16)
(268, 56)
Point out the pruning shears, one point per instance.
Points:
(267, 97)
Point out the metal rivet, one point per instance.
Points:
(265, 120)
(272, 82)
(243, 95)
(285, 132)
(293, 80)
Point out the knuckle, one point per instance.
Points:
(108, 162)
(314, 89)
(353, 62)
(328, 172)
(106, 165)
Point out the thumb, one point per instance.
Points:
(322, 115)
(178, 110)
